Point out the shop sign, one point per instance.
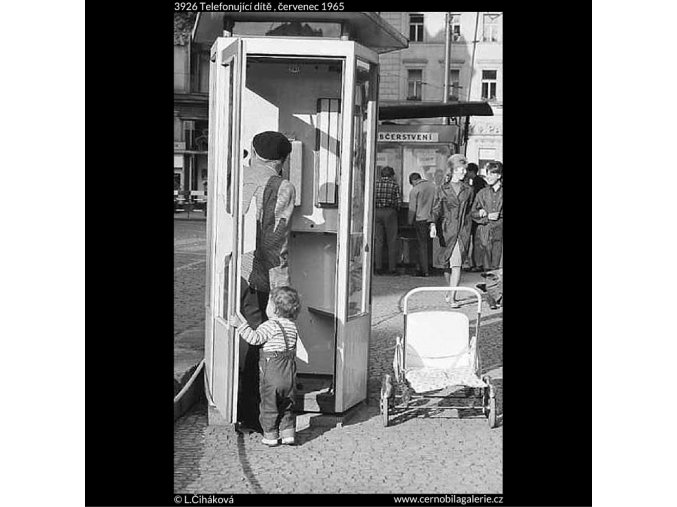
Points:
(408, 137)
(486, 129)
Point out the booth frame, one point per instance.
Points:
(351, 333)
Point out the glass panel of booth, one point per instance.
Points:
(220, 349)
(225, 190)
(362, 128)
(297, 90)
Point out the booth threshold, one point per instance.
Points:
(315, 393)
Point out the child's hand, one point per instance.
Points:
(235, 320)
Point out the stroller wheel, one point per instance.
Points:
(406, 397)
(485, 401)
(384, 401)
(492, 407)
(492, 413)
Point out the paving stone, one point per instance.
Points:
(426, 451)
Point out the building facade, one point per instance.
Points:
(416, 74)
(191, 113)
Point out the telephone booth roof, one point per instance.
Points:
(366, 28)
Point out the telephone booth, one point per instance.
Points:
(314, 79)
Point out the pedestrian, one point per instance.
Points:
(451, 210)
(477, 183)
(421, 199)
(473, 179)
(387, 201)
(277, 364)
(267, 266)
(487, 212)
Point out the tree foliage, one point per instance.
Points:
(183, 26)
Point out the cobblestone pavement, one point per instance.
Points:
(189, 274)
(423, 451)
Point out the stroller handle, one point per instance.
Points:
(475, 292)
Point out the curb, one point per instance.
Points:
(190, 241)
(187, 357)
(201, 219)
(194, 393)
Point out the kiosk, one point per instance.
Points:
(314, 78)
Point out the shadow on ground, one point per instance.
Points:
(440, 408)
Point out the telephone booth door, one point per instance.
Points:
(355, 235)
(323, 97)
(223, 254)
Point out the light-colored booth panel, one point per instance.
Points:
(312, 267)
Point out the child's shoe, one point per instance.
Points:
(269, 442)
(289, 441)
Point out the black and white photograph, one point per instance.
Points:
(327, 252)
(338, 254)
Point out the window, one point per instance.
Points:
(414, 84)
(196, 134)
(430, 162)
(455, 27)
(416, 27)
(484, 156)
(490, 28)
(454, 84)
(181, 70)
(199, 70)
(489, 84)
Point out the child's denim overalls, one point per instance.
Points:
(277, 386)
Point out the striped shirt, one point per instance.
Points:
(387, 193)
(270, 335)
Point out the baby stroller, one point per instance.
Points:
(435, 354)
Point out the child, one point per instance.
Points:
(277, 364)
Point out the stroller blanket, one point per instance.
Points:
(428, 379)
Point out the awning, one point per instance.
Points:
(400, 111)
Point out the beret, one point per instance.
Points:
(271, 145)
(458, 159)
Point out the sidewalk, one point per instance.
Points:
(422, 451)
(193, 215)
(387, 293)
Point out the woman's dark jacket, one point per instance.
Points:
(451, 214)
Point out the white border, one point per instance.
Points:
(634, 240)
